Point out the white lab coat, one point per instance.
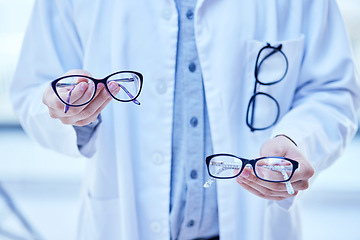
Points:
(127, 185)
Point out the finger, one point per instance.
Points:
(270, 188)
(83, 115)
(94, 116)
(262, 192)
(51, 100)
(78, 90)
(80, 94)
(300, 185)
(56, 113)
(277, 186)
(86, 114)
(100, 101)
(74, 111)
(114, 88)
(86, 121)
(75, 94)
(56, 108)
(304, 172)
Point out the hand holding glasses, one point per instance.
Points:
(78, 90)
(270, 169)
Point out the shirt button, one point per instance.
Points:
(191, 223)
(192, 67)
(155, 227)
(166, 14)
(190, 14)
(193, 174)
(194, 121)
(161, 88)
(157, 158)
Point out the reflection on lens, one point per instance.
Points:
(274, 169)
(75, 90)
(225, 166)
(272, 66)
(129, 84)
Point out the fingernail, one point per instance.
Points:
(113, 86)
(83, 86)
(245, 174)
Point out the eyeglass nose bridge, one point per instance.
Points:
(247, 163)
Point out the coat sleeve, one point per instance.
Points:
(51, 47)
(323, 118)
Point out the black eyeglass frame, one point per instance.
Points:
(252, 102)
(96, 82)
(252, 162)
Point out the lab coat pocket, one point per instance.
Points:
(101, 218)
(273, 72)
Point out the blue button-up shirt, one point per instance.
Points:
(193, 209)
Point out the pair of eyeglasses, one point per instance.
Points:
(270, 169)
(79, 90)
(271, 67)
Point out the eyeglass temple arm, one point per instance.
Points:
(210, 181)
(226, 167)
(289, 187)
(67, 107)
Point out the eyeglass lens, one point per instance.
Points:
(268, 169)
(129, 84)
(271, 66)
(263, 111)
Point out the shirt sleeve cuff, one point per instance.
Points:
(86, 136)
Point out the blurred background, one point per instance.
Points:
(39, 189)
